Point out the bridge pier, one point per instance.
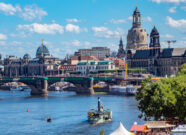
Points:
(83, 85)
(40, 88)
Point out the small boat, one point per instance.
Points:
(25, 88)
(123, 90)
(99, 115)
(16, 88)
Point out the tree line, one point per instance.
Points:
(163, 99)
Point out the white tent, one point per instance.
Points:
(180, 130)
(121, 130)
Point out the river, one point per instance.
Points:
(67, 110)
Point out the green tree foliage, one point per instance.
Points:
(166, 97)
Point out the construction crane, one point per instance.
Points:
(170, 41)
(126, 70)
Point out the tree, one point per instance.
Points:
(166, 97)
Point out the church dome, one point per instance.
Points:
(42, 51)
(136, 38)
(26, 56)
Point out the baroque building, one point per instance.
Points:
(43, 65)
(156, 60)
(137, 36)
(121, 51)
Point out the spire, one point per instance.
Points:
(154, 31)
(121, 41)
(42, 40)
(154, 37)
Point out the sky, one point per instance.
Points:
(68, 25)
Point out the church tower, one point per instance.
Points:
(136, 18)
(121, 51)
(137, 36)
(154, 42)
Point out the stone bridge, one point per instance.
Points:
(39, 85)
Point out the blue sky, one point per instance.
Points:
(67, 25)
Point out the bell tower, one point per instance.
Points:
(136, 18)
(121, 51)
(154, 42)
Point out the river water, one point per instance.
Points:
(67, 110)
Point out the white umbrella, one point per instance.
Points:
(121, 130)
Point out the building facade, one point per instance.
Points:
(67, 68)
(91, 66)
(43, 65)
(156, 60)
(82, 58)
(98, 52)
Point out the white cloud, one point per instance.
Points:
(172, 10)
(76, 43)
(2, 42)
(32, 12)
(87, 43)
(29, 12)
(73, 20)
(170, 1)
(183, 8)
(42, 28)
(3, 37)
(8, 9)
(16, 43)
(117, 21)
(20, 34)
(105, 32)
(179, 24)
(167, 36)
(181, 44)
(74, 28)
(147, 19)
(130, 18)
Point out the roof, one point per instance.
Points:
(104, 62)
(82, 63)
(141, 54)
(42, 50)
(164, 53)
(169, 52)
(26, 56)
(95, 62)
(121, 130)
(138, 128)
(158, 124)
